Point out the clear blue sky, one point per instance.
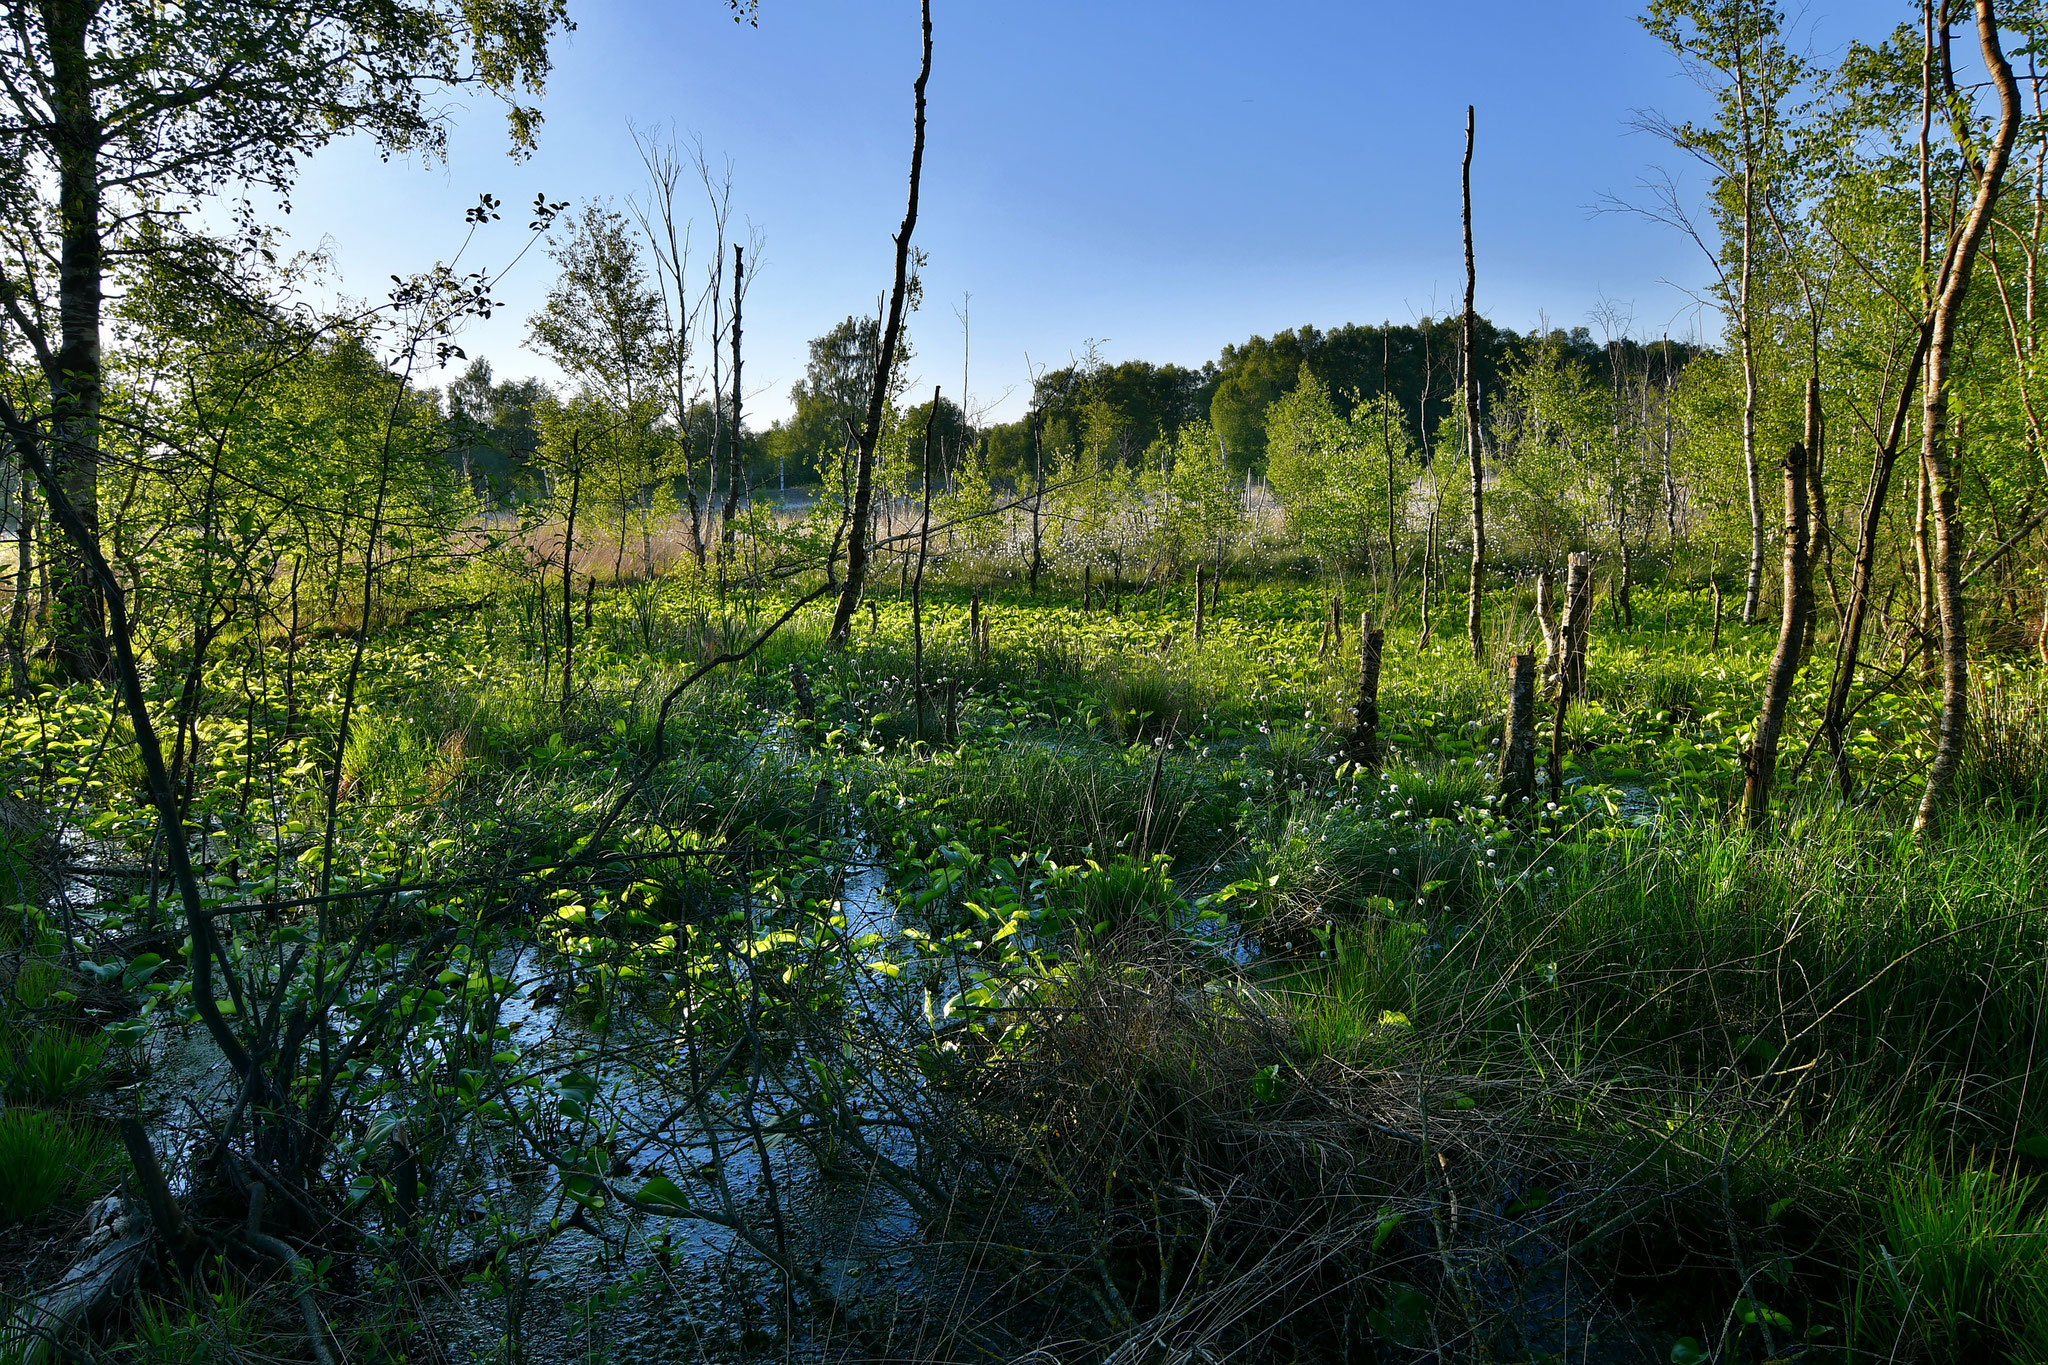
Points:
(1163, 177)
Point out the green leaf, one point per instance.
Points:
(126, 1032)
(584, 1189)
(662, 1195)
(574, 1093)
(1687, 1351)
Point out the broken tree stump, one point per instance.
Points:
(1518, 745)
(1364, 749)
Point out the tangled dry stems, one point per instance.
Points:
(1222, 1193)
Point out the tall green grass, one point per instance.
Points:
(43, 1157)
(1730, 1031)
(52, 1065)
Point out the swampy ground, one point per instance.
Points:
(1103, 1008)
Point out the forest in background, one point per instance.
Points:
(1127, 406)
(1419, 842)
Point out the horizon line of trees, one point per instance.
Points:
(1126, 407)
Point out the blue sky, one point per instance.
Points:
(1160, 177)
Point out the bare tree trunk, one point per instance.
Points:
(697, 537)
(1428, 570)
(1670, 484)
(1760, 759)
(1816, 503)
(1822, 536)
(732, 459)
(1624, 591)
(864, 479)
(625, 521)
(1547, 622)
(1578, 623)
(1387, 443)
(1752, 592)
(1551, 681)
(1935, 455)
(1365, 734)
(1745, 331)
(1923, 562)
(1469, 345)
(1518, 745)
(669, 242)
(77, 616)
(568, 575)
(924, 531)
(1864, 571)
(1037, 500)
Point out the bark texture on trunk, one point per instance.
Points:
(1934, 452)
(1365, 734)
(732, 438)
(74, 373)
(1469, 344)
(1760, 759)
(1518, 745)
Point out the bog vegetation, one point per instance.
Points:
(1408, 842)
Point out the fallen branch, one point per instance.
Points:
(96, 1281)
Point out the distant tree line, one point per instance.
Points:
(1125, 407)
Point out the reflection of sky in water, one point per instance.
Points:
(651, 1289)
(683, 1291)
